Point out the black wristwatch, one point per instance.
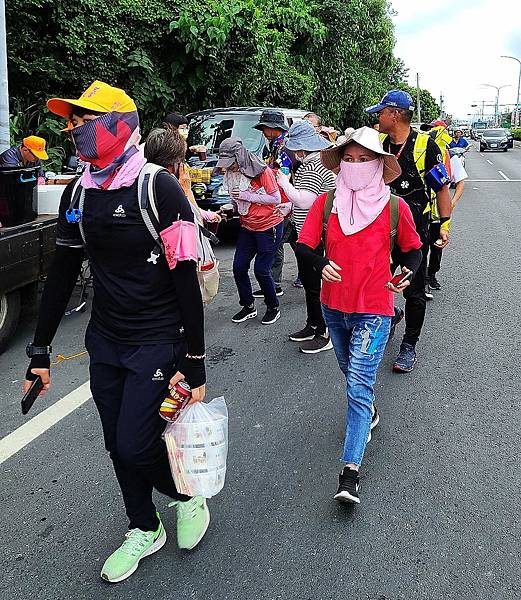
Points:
(35, 350)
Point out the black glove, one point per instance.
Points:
(40, 361)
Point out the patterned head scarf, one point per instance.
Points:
(107, 144)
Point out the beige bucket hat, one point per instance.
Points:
(368, 138)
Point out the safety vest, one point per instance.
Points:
(419, 152)
(443, 139)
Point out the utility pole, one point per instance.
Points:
(441, 105)
(498, 89)
(4, 92)
(418, 102)
(516, 119)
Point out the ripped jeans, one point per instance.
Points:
(359, 342)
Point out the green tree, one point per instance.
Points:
(354, 63)
(332, 56)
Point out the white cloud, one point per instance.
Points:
(457, 46)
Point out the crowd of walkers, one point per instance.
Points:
(360, 211)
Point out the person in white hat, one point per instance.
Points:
(361, 221)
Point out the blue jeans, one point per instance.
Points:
(359, 342)
(261, 245)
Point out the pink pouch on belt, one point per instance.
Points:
(180, 241)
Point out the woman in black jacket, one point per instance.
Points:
(146, 331)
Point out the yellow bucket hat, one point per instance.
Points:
(37, 146)
(98, 97)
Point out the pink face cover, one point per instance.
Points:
(361, 194)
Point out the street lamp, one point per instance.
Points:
(498, 88)
(516, 119)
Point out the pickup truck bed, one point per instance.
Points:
(26, 252)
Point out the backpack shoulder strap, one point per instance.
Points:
(394, 208)
(147, 201)
(328, 207)
(78, 201)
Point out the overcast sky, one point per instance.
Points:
(456, 45)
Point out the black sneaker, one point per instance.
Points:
(406, 359)
(308, 333)
(272, 315)
(434, 284)
(318, 343)
(348, 487)
(246, 312)
(375, 419)
(398, 318)
(278, 292)
(428, 294)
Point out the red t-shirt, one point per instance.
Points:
(363, 257)
(262, 216)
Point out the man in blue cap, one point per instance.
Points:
(420, 160)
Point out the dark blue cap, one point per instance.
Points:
(393, 99)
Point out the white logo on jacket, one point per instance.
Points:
(119, 212)
(153, 258)
(158, 375)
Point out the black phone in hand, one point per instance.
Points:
(32, 393)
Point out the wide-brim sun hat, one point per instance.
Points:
(368, 138)
(302, 136)
(274, 119)
(98, 97)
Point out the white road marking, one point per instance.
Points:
(504, 176)
(494, 180)
(43, 421)
(490, 162)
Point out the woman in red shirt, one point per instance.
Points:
(254, 191)
(357, 295)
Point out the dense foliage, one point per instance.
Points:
(332, 56)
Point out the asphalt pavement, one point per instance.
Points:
(439, 518)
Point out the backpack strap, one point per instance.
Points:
(147, 201)
(393, 207)
(77, 201)
(328, 207)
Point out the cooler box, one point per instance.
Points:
(17, 203)
(48, 198)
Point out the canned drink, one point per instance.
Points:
(174, 402)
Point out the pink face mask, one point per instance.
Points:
(357, 176)
(361, 194)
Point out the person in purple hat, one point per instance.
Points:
(419, 158)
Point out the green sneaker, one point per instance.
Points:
(138, 544)
(193, 518)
